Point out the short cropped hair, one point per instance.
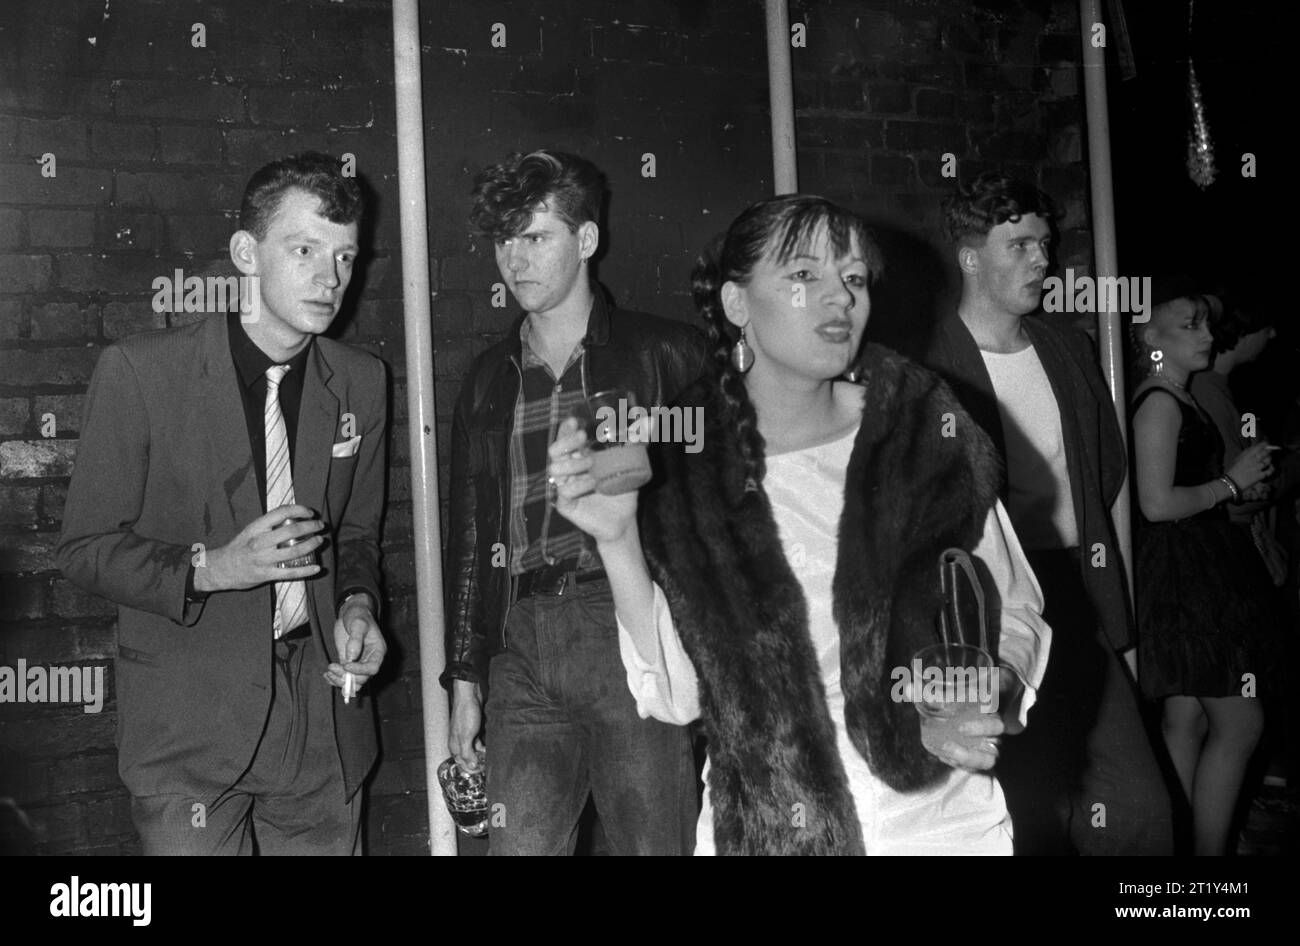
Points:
(991, 199)
(318, 174)
(506, 194)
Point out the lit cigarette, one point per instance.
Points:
(349, 686)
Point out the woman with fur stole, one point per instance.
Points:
(774, 582)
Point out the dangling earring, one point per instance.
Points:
(742, 356)
(1158, 362)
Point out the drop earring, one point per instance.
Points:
(742, 356)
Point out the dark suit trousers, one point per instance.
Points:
(1083, 776)
(291, 800)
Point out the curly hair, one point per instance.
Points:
(318, 174)
(506, 194)
(1237, 318)
(779, 228)
(991, 199)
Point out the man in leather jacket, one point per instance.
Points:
(531, 618)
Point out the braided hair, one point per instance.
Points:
(780, 228)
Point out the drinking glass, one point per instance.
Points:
(619, 464)
(466, 796)
(954, 682)
(307, 558)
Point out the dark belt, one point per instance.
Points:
(553, 580)
(297, 633)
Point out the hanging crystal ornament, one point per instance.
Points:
(1200, 149)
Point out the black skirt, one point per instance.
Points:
(1206, 611)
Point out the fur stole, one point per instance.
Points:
(776, 779)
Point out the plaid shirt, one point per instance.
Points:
(538, 534)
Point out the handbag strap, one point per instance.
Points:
(953, 563)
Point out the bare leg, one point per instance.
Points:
(1184, 726)
(1236, 723)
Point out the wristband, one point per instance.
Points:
(1233, 488)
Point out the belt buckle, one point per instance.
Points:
(564, 581)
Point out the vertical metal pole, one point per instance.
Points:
(422, 424)
(780, 85)
(1110, 331)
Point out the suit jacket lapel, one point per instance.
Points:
(964, 369)
(318, 418)
(220, 413)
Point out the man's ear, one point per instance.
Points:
(968, 260)
(243, 252)
(588, 239)
(733, 304)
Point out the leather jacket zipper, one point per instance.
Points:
(510, 578)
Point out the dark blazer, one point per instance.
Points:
(655, 358)
(1094, 446)
(164, 462)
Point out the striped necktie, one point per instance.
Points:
(290, 596)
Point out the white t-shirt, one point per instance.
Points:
(1039, 498)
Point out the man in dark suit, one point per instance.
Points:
(204, 450)
(1083, 777)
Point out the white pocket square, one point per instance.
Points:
(348, 448)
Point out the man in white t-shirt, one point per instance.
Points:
(1084, 776)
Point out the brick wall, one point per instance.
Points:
(154, 136)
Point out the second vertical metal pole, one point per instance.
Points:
(780, 83)
(423, 426)
(1110, 331)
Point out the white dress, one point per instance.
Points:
(965, 813)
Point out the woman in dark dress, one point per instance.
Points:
(1202, 593)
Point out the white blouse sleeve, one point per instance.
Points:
(1025, 638)
(666, 688)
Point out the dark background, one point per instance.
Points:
(1230, 235)
(1170, 224)
(154, 140)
